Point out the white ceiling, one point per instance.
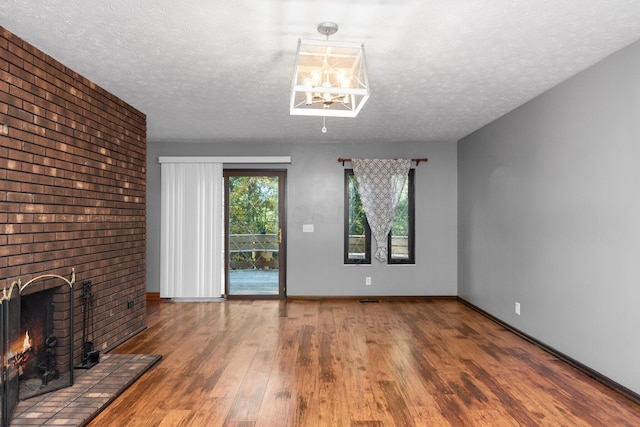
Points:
(216, 70)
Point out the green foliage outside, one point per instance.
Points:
(357, 217)
(401, 219)
(253, 209)
(253, 205)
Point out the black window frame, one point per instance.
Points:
(411, 224)
(367, 232)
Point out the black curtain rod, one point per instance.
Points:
(418, 161)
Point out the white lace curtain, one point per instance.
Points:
(380, 183)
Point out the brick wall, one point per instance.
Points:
(72, 187)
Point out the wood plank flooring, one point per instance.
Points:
(346, 363)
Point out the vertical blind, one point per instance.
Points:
(191, 230)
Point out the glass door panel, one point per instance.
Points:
(254, 241)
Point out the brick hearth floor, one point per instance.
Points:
(92, 390)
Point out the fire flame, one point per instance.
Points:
(26, 344)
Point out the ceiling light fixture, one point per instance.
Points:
(329, 78)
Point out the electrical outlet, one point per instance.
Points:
(367, 281)
(518, 308)
(130, 304)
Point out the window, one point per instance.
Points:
(400, 243)
(357, 242)
(357, 234)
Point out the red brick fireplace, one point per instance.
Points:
(72, 189)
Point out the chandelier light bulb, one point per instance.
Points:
(316, 75)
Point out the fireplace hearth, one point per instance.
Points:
(36, 336)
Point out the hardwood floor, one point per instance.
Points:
(347, 363)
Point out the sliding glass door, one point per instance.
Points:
(254, 241)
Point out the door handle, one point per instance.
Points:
(279, 235)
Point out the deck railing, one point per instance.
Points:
(399, 246)
(253, 242)
(253, 251)
(261, 250)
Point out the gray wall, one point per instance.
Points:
(315, 196)
(549, 216)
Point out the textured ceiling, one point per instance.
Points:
(205, 70)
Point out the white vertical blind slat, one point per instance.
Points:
(191, 241)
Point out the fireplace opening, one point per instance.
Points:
(36, 339)
(37, 356)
